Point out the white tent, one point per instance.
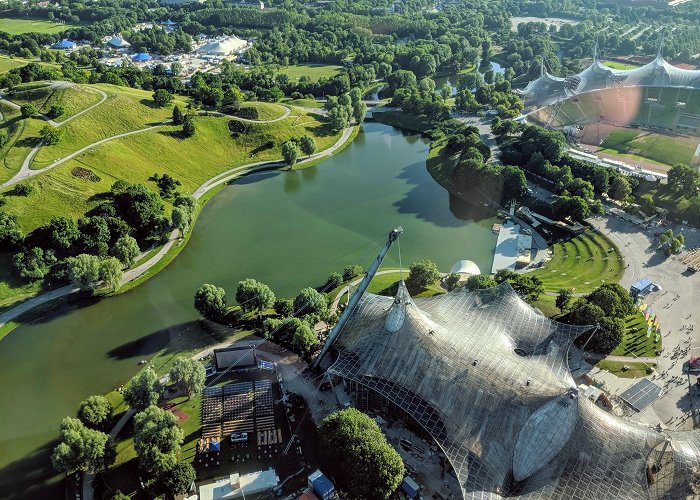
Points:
(119, 42)
(223, 46)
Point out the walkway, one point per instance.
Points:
(138, 271)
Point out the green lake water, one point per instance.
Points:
(289, 230)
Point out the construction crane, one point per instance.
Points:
(352, 303)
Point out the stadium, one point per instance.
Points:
(658, 99)
(487, 377)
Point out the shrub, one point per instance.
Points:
(249, 113)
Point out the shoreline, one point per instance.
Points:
(37, 306)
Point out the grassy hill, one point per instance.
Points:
(15, 26)
(71, 188)
(73, 98)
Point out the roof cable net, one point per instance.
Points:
(511, 423)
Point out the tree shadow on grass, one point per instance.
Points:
(152, 343)
(32, 476)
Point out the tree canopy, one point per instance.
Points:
(371, 467)
(143, 390)
(210, 301)
(81, 449)
(422, 274)
(189, 374)
(95, 412)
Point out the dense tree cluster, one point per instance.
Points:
(371, 467)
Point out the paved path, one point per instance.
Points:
(26, 172)
(138, 271)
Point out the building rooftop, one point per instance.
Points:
(487, 377)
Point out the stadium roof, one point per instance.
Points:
(222, 46)
(487, 376)
(548, 89)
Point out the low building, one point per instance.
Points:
(240, 486)
(410, 488)
(64, 44)
(141, 57)
(241, 357)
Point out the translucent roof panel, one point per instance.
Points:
(487, 376)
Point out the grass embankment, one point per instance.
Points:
(635, 370)
(642, 145)
(313, 71)
(582, 264)
(303, 103)
(8, 63)
(266, 110)
(16, 26)
(73, 98)
(635, 341)
(402, 120)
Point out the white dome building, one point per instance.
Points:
(118, 42)
(223, 46)
(465, 267)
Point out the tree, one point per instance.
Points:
(422, 274)
(181, 219)
(514, 183)
(236, 127)
(528, 287)
(304, 340)
(126, 249)
(84, 270)
(143, 390)
(10, 234)
(359, 111)
(111, 272)
(613, 299)
(253, 295)
(308, 145)
(310, 303)
(157, 439)
(452, 280)
(210, 301)
(162, 98)
(61, 233)
(81, 449)
(55, 111)
(290, 152)
(33, 264)
(166, 183)
(178, 479)
(50, 135)
(371, 467)
(608, 336)
(284, 307)
(141, 209)
(28, 110)
(95, 412)
(620, 188)
(334, 281)
(684, 179)
(351, 272)
(188, 373)
(178, 115)
(338, 117)
(563, 299)
(585, 313)
(188, 128)
(568, 206)
(480, 281)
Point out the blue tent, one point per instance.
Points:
(64, 44)
(169, 23)
(141, 57)
(214, 446)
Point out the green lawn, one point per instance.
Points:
(7, 63)
(620, 65)
(73, 98)
(635, 341)
(636, 370)
(266, 110)
(387, 284)
(313, 71)
(546, 304)
(581, 264)
(16, 26)
(304, 103)
(646, 145)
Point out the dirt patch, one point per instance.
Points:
(85, 174)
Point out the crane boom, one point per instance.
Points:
(352, 303)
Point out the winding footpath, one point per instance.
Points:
(141, 269)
